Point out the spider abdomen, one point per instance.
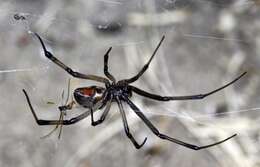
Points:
(88, 96)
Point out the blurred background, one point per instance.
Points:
(208, 43)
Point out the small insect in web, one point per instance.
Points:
(97, 98)
(19, 17)
(62, 111)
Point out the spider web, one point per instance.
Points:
(208, 43)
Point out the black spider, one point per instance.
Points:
(96, 98)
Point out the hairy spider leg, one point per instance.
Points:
(165, 137)
(145, 67)
(190, 97)
(127, 131)
(106, 72)
(68, 69)
(103, 116)
(55, 122)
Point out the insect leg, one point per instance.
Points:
(55, 122)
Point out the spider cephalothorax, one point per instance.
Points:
(118, 89)
(97, 98)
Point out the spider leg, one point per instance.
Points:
(106, 72)
(103, 116)
(165, 137)
(127, 131)
(145, 67)
(68, 69)
(55, 128)
(190, 97)
(54, 122)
